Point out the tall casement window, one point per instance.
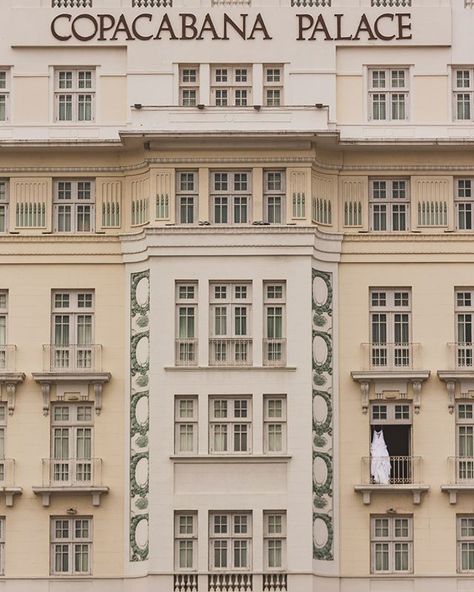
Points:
(391, 544)
(72, 330)
(74, 95)
(274, 540)
(74, 202)
(3, 328)
(231, 86)
(388, 94)
(4, 195)
(188, 85)
(273, 85)
(186, 323)
(2, 545)
(71, 546)
(463, 204)
(274, 191)
(186, 425)
(465, 442)
(463, 90)
(390, 331)
(230, 425)
(230, 541)
(187, 192)
(231, 193)
(464, 312)
(185, 541)
(4, 95)
(230, 340)
(389, 204)
(274, 424)
(3, 429)
(71, 444)
(274, 341)
(465, 543)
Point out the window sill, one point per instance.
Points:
(229, 458)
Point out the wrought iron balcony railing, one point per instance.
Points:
(404, 470)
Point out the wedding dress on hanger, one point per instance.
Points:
(380, 459)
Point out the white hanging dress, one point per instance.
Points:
(380, 459)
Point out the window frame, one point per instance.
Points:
(231, 85)
(187, 304)
(4, 204)
(390, 91)
(391, 540)
(273, 85)
(191, 537)
(231, 420)
(188, 85)
(230, 537)
(74, 187)
(462, 90)
(70, 542)
(269, 193)
(192, 421)
(464, 201)
(390, 202)
(274, 536)
(230, 194)
(186, 193)
(5, 92)
(269, 420)
(74, 92)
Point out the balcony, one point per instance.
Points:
(405, 476)
(459, 377)
(230, 582)
(186, 352)
(7, 481)
(72, 364)
(7, 358)
(185, 582)
(391, 367)
(461, 477)
(274, 352)
(230, 351)
(71, 476)
(8, 375)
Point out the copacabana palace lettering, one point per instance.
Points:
(187, 26)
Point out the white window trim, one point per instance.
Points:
(192, 537)
(267, 537)
(7, 93)
(4, 203)
(231, 85)
(463, 201)
(187, 193)
(193, 421)
(390, 201)
(389, 91)
(71, 541)
(455, 91)
(231, 537)
(230, 421)
(267, 421)
(75, 92)
(230, 193)
(74, 202)
(269, 85)
(281, 193)
(186, 85)
(391, 541)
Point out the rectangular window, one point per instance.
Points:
(465, 543)
(74, 95)
(186, 323)
(4, 95)
(463, 203)
(464, 466)
(72, 330)
(4, 198)
(388, 94)
(464, 313)
(230, 425)
(230, 541)
(71, 444)
(463, 90)
(187, 195)
(274, 424)
(390, 321)
(71, 546)
(3, 329)
(274, 191)
(273, 85)
(186, 425)
(274, 337)
(391, 544)
(3, 428)
(230, 340)
(73, 204)
(389, 204)
(231, 86)
(185, 541)
(188, 85)
(231, 193)
(274, 540)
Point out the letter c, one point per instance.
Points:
(377, 30)
(53, 27)
(134, 27)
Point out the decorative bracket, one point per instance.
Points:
(98, 397)
(364, 389)
(45, 390)
(11, 380)
(416, 384)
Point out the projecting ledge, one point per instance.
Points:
(94, 491)
(9, 493)
(222, 459)
(416, 489)
(11, 380)
(454, 490)
(393, 381)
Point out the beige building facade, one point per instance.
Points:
(235, 252)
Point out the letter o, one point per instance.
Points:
(77, 35)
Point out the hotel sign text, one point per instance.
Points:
(388, 26)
